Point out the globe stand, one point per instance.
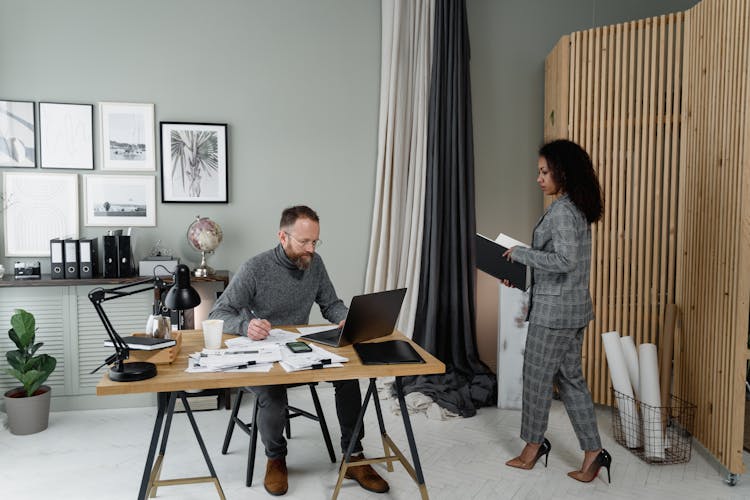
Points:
(203, 269)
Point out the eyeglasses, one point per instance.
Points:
(304, 243)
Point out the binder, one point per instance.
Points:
(110, 268)
(125, 267)
(89, 258)
(71, 258)
(490, 260)
(57, 261)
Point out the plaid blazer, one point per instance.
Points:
(560, 262)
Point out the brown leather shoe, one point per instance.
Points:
(366, 476)
(276, 482)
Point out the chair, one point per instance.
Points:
(291, 412)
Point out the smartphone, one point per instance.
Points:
(297, 347)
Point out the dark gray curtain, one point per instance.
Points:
(445, 318)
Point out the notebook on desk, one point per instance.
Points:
(370, 316)
(390, 352)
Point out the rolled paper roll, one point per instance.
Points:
(651, 401)
(631, 360)
(618, 372)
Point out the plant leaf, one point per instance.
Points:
(14, 337)
(35, 348)
(16, 359)
(24, 324)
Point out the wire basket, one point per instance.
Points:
(655, 434)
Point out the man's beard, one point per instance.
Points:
(301, 260)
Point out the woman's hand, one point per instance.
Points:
(509, 257)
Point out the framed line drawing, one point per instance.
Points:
(66, 135)
(193, 162)
(119, 200)
(38, 207)
(17, 134)
(127, 136)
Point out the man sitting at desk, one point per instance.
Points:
(280, 286)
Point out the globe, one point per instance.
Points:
(204, 235)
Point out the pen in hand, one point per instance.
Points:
(258, 330)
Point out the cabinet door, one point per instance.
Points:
(49, 305)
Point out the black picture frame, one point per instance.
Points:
(206, 181)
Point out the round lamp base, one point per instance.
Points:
(131, 372)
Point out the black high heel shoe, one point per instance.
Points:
(603, 459)
(543, 451)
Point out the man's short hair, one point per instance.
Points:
(290, 215)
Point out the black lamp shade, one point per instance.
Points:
(182, 296)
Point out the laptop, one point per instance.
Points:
(370, 316)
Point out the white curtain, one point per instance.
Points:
(398, 212)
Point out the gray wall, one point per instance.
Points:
(297, 82)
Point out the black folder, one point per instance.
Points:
(391, 352)
(57, 260)
(490, 260)
(71, 258)
(89, 256)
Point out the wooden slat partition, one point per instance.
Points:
(661, 104)
(623, 107)
(713, 274)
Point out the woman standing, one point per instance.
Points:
(560, 307)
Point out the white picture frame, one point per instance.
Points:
(66, 135)
(127, 136)
(17, 134)
(38, 207)
(119, 200)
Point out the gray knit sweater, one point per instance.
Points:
(272, 286)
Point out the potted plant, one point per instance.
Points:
(28, 406)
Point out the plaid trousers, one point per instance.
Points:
(553, 356)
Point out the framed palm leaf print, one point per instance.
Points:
(194, 162)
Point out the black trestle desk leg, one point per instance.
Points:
(350, 448)
(161, 404)
(410, 434)
(375, 400)
(156, 470)
(379, 413)
(358, 426)
(200, 439)
(168, 423)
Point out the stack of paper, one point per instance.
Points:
(317, 358)
(276, 336)
(232, 359)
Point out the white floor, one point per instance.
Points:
(100, 455)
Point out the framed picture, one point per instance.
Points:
(119, 200)
(38, 207)
(193, 162)
(127, 136)
(66, 135)
(17, 134)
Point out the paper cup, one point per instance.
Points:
(212, 330)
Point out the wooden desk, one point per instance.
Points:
(172, 380)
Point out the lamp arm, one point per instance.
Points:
(99, 295)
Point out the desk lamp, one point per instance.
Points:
(180, 296)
